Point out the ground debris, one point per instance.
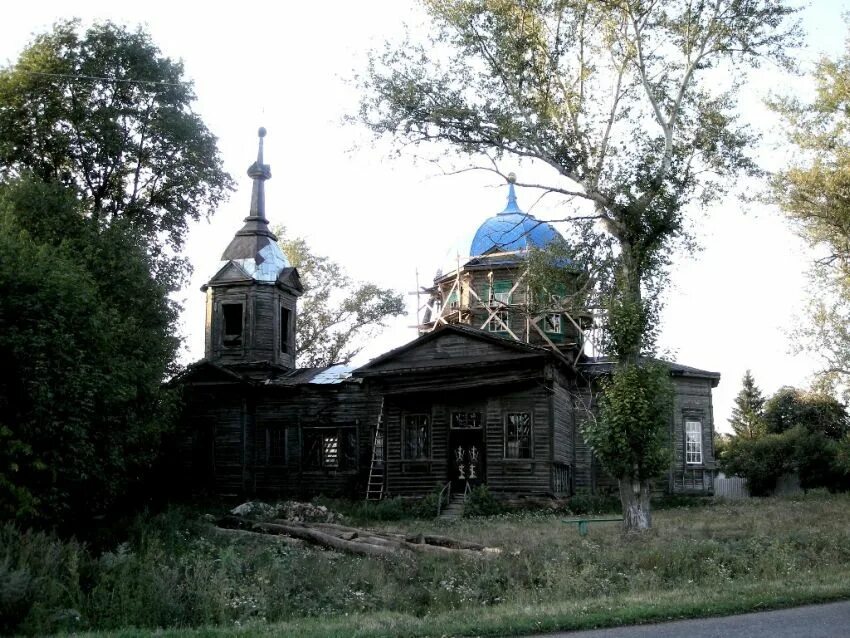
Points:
(359, 541)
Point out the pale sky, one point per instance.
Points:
(289, 67)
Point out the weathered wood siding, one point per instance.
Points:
(261, 338)
(692, 401)
(563, 436)
(502, 475)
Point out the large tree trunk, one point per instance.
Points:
(634, 497)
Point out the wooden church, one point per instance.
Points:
(488, 394)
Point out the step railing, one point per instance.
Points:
(445, 494)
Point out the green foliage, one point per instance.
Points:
(812, 191)
(389, 509)
(594, 504)
(129, 144)
(748, 414)
(336, 315)
(815, 411)
(630, 435)
(480, 502)
(633, 131)
(172, 571)
(86, 339)
(819, 460)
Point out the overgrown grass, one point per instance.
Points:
(176, 571)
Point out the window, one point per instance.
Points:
(498, 321)
(466, 420)
(232, 313)
(275, 446)
(518, 435)
(330, 448)
(500, 291)
(417, 436)
(693, 442)
(452, 301)
(552, 323)
(284, 329)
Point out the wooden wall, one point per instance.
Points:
(528, 476)
(692, 401)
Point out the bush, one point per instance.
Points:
(481, 502)
(819, 460)
(584, 503)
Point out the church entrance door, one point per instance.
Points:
(467, 462)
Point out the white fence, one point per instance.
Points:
(730, 487)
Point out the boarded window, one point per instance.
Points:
(285, 314)
(232, 333)
(498, 322)
(330, 448)
(518, 435)
(693, 442)
(500, 291)
(466, 420)
(417, 436)
(275, 446)
(552, 323)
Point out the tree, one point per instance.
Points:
(803, 432)
(86, 338)
(336, 315)
(813, 191)
(814, 411)
(748, 414)
(106, 114)
(620, 99)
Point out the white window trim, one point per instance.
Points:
(553, 320)
(696, 451)
(493, 325)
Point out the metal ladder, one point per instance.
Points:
(377, 469)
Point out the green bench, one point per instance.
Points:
(582, 523)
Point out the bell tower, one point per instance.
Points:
(251, 300)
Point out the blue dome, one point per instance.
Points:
(512, 229)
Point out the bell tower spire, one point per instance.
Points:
(251, 299)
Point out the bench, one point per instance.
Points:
(582, 523)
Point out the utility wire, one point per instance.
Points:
(71, 76)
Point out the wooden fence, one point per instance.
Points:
(730, 487)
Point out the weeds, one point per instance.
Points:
(174, 570)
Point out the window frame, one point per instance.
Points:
(281, 459)
(285, 313)
(502, 296)
(495, 326)
(558, 326)
(346, 460)
(223, 332)
(698, 451)
(405, 436)
(506, 424)
(466, 414)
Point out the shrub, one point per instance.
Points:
(586, 503)
(481, 502)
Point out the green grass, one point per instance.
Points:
(176, 572)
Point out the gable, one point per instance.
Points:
(448, 347)
(231, 271)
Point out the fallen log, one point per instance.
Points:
(368, 542)
(311, 535)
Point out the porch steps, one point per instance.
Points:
(454, 510)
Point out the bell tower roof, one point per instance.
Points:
(254, 247)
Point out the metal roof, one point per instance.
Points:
(254, 248)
